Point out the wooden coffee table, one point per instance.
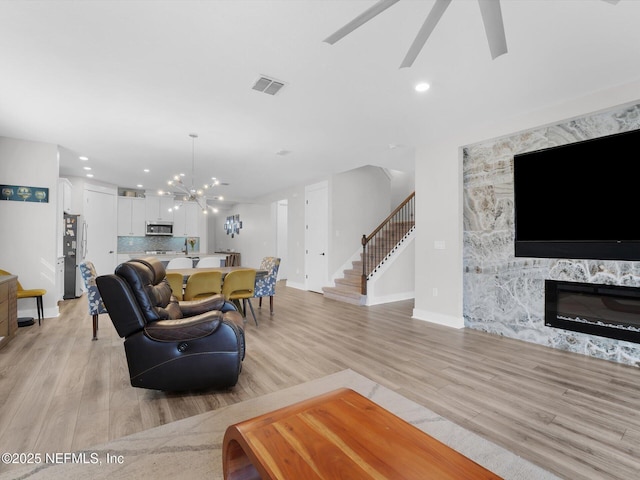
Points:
(340, 434)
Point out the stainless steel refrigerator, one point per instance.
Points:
(73, 248)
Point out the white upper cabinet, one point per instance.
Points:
(186, 220)
(67, 190)
(157, 208)
(131, 217)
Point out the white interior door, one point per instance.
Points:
(316, 236)
(100, 214)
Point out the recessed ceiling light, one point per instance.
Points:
(87, 168)
(139, 185)
(422, 87)
(84, 159)
(90, 175)
(146, 170)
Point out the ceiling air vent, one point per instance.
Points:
(268, 85)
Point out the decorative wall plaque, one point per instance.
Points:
(20, 193)
(232, 225)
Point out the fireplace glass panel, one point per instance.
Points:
(605, 310)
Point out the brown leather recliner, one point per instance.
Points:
(172, 345)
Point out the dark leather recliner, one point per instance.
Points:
(172, 345)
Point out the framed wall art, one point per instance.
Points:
(19, 193)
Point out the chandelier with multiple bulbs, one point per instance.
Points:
(190, 194)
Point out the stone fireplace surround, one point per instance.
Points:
(505, 295)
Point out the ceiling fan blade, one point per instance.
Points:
(360, 20)
(425, 31)
(493, 26)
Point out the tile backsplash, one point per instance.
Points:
(142, 244)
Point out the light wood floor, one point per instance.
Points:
(573, 415)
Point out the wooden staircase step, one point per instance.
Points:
(353, 272)
(350, 282)
(343, 295)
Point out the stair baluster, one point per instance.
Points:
(379, 243)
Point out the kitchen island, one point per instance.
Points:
(164, 256)
(8, 308)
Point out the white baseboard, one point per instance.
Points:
(396, 297)
(440, 319)
(299, 286)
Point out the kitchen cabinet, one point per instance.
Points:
(186, 220)
(131, 216)
(66, 190)
(157, 208)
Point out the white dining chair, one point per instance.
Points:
(182, 262)
(209, 262)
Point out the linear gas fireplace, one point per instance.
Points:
(606, 310)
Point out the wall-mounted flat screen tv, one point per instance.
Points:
(579, 201)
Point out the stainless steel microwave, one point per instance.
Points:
(159, 228)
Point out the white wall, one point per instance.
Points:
(282, 236)
(295, 242)
(439, 219)
(365, 190)
(28, 235)
(439, 199)
(359, 201)
(256, 238)
(294, 266)
(402, 185)
(394, 280)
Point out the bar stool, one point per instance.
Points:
(36, 293)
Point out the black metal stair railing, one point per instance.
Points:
(377, 245)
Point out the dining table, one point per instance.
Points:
(187, 272)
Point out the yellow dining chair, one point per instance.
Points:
(203, 284)
(36, 293)
(176, 282)
(239, 285)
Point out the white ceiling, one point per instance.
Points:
(126, 82)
